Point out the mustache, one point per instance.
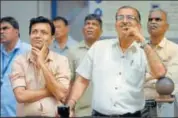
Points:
(153, 25)
(125, 25)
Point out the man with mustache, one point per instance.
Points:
(166, 50)
(92, 30)
(40, 78)
(117, 70)
(11, 46)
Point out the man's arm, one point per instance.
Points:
(27, 96)
(54, 86)
(57, 84)
(157, 68)
(21, 87)
(78, 88)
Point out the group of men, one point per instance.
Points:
(94, 77)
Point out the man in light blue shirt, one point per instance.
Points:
(62, 41)
(11, 46)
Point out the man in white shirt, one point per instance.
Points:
(117, 70)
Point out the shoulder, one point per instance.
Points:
(22, 58)
(172, 44)
(58, 57)
(25, 46)
(72, 41)
(74, 48)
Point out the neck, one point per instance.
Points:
(155, 40)
(90, 42)
(125, 43)
(62, 41)
(10, 46)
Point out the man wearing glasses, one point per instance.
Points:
(117, 70)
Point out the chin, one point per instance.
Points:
(36, 46)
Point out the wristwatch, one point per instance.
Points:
(143, 44)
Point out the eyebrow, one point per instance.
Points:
(4, 28)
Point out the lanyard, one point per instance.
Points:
(9, 62)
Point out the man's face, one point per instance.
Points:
(157, 23)
(8, 33)
(92, 30)
(61, 29)
(126, 18)
(40, 35)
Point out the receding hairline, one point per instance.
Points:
(160, 10)
(130, 7)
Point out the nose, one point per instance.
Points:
(1, 31)
(125, 19)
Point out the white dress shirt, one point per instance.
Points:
(117, 77)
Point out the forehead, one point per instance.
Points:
(127, 11)
(157, 14)
(92, 20)
(41, 26)
(59, 22)
(5, 24)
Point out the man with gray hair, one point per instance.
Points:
(168, 53)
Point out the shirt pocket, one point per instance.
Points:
(135, 75)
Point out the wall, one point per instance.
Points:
(23, 11)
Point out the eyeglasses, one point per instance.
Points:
(128, 17)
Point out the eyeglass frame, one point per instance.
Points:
(128, 17)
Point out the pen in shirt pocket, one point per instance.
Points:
(131, 62)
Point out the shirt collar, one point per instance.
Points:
(83, 44)
(31, 58)
(133, 47)
(162, 43)
(17, 47)
(68, 43)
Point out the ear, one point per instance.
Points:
(83, 30)
(67, 28)
(167, 26)
(140, 27)
(101, 31)
(50, 41)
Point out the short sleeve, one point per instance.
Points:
(86, 66)
(63, 73)
(72, 63)
(17, 76)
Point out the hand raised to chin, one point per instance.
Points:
(40, 54)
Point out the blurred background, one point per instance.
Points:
(75, 12)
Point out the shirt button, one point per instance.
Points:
(116, 88)
(115, 105)
(122, 56)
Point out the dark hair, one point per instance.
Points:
(41, 19)
(125, 7)
(94, 17)
(11, 20)
(61, 18)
